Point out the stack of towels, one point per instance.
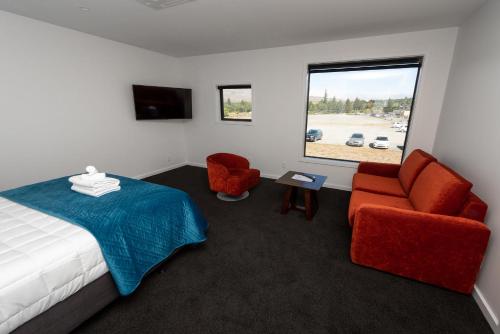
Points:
(94, 183)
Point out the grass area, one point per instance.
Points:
(345, 152)
(238, 115)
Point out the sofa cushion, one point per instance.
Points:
(412, 166)
(474, 208)
(439, 190)
(378, 184)
(359, 197)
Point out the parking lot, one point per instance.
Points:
(337, 128)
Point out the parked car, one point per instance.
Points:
(357, 139)
(397, 125)
(314, 135)
(403, 128)
(381, 142)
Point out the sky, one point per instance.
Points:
(237, 95)
(371, 84)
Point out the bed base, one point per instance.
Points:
(68, 314)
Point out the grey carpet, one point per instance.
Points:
(261, 272)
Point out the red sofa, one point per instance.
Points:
(231, 174)
(418, 220)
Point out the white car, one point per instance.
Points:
(357, 139)
(403, 128)
(397, 125)
(381, 142)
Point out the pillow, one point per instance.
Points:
(411, 168)
(439, 190)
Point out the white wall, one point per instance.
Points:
(468, 133)
(66, 101)
(278, 77)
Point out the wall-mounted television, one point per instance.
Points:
(162, 102)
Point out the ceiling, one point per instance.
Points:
(215, 26)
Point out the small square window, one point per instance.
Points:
(236, 103)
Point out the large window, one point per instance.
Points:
(236, 103)
(360, 111)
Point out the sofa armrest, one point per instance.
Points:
(379, 169)
(441, 250)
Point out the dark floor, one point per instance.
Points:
(261, 272)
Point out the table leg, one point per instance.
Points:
(311, 203)
(315, 201)
(288, 200)
(308, 204)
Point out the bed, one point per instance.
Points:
(56, 272)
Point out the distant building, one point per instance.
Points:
(401, 113)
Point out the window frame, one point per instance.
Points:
(221, 88)
(363, 65)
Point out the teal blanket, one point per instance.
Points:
(137, 227)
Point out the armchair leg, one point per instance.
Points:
(228, 198)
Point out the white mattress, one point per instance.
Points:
(43, 260)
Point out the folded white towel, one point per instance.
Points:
(105, 182)
(96, 192)
(92, 174)
(93, 177)
(91, 170)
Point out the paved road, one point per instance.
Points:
(338, 128)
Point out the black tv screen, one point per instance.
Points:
(162, 102)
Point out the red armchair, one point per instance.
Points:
(418, 220)
(231, 174)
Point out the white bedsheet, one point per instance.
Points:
(43, 260)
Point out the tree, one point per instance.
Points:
(325, 98)
(331, 105)
(369, 106)
(357, 105)
(390, 106)
(340, 108)
(348, 106)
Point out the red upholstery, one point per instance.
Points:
(360, 198)
(379, 169)
(441, 250)
(391, 179)
(412, 166)
(439, 190)
(231, 174)
(434, 235)
(378, 184)
(474, 208)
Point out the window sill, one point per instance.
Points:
(236, 122)
(328, 162)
